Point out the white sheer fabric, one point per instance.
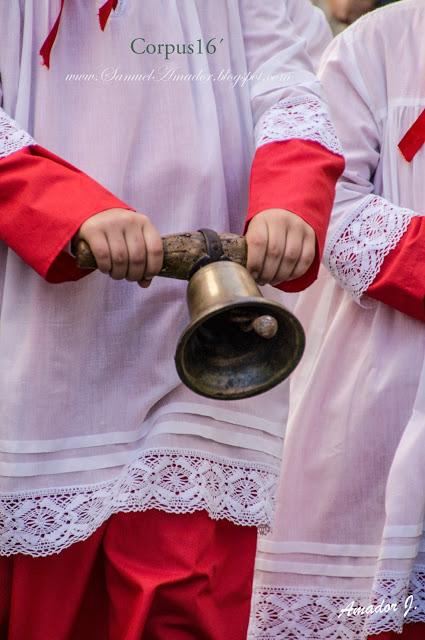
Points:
(346, 558)
(93, 418)
(312, 26)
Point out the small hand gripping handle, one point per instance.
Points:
(181, 253)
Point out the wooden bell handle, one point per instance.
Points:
(181, 252)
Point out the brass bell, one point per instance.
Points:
(238, 344)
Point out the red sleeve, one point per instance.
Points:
(298, 176)
(401, 280)
(43, 202)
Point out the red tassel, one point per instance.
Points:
(414, 139)
(50, 40)
(105, 12)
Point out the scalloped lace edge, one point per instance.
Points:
(40, 523)
(315, 614)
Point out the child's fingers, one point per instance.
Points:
(154, 251)
(291, 256)
(136, 248)
(145, 283)
(257, 240)
(100, 248)
(119, 255)
(306, 258)
(275, 252)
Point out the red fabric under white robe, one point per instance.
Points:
(140, 576)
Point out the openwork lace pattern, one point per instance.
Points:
(306, 614)
(12, 138)
(40, 523)
(300, 117)
(355, 253)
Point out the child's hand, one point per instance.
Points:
(125, 244)
(281, 246)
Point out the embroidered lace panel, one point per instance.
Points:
(355, 253)
(306, 614)
(302, 118)
(40, 523)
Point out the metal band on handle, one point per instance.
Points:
(214, 250)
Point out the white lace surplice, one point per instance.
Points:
(93, 419)
(351, 500)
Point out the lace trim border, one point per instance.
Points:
(12, 137)
(300, 117)
(322, 614)
(355, 252)
(40, 523)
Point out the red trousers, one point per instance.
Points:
(150, 576)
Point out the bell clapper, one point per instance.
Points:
(264, 326)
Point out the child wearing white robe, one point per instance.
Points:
(346, 558)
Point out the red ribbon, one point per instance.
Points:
(414, 139)
(104, 13)
(50, 40)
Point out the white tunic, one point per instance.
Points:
(351, 501)
(93, 418)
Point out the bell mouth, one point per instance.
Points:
(217, 358)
